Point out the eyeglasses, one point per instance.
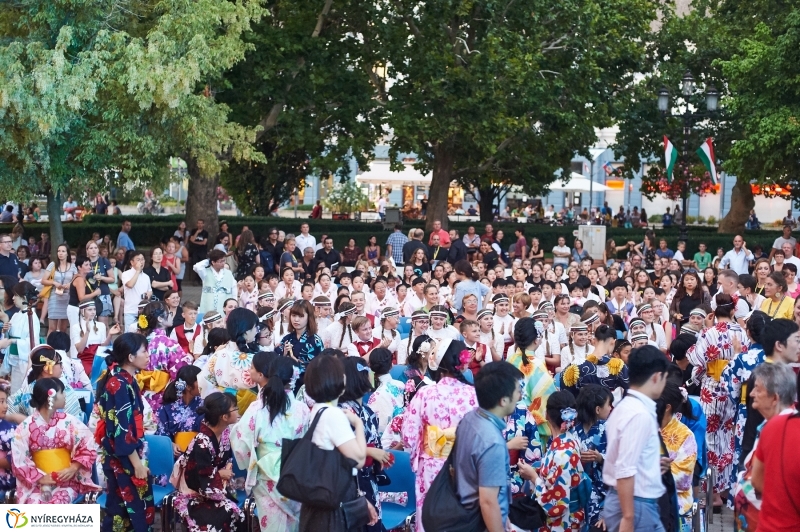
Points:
(6, 241)
(235, 410)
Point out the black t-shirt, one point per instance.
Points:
(490, 259)
(101, 208)
(101, 266)
(161, 276)
(199, 249)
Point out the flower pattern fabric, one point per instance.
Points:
(611, 373)
(442, 405)
(594, 440)
(20, 401)
(61, 431)
(120, 431)
(7, 429)
(227, 369)
(682, 448)
(256, 446)
(521, 423)
(713, 350)
(734, 383)
(367, 478)
(387, 401)
(303, 349)
(211, 507)
(561, 472)
(179, 417)
(166, 355)
(538, 386)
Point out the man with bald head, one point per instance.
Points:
(738, 259)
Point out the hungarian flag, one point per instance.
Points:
(706, 153)
(670, 156)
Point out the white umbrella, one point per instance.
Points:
(577, 183)
(380, 174)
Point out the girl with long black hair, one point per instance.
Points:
(593, 407)
(206, 498)
(120, 431)
(178, 418)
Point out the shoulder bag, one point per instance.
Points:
(44, 293)
(442, 510)
(314, 476)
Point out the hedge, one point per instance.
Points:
(147, 231)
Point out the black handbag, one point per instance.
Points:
(442, 510)
(314, 476)
(526, 513)
(356, 512)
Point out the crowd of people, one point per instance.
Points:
(566, 393)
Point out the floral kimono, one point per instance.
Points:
(257, 447)
(387, 400)
(227, 369)
(7, 429)
(539, 386)
(611, 373)
(204, 499)
(682, 448)
(561, 472)
(179, 417)
(303, 349)
(709, 356)
(594, 440)
(521, 423)
(166, 358)
(36, 434)
(429, 429)
(120, 430)
(367, 476)
(734, 388)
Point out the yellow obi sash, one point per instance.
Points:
(715, 368)
(243, 400)
(52, 460)
(437, 442)
(152, 380)
(183, 439)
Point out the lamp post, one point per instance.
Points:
(689, 119)
(595, 153)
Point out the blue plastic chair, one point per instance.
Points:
(468, 375)
(404, 327)
(98, 367)
(401, 479)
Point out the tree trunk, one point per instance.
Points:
(486, 203)
(444, 158)
(741, 203)
(201, 204)
(54, 217)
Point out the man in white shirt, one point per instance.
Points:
(633, 465)
(728, 281)
(305, 240)
(783, 239)
(561, 252)
(381, 207)
(738, 259)
(788, 254)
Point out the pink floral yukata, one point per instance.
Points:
(63, 431)
(434, 410)
(166, 355)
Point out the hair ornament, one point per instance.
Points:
(568, 417)
(51, 398)
(539, 328)
(361, 367)
(463, 359)
(180, 385)
(143, 323)
(684, 393)
(295, 376)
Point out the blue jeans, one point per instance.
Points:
(645, 514)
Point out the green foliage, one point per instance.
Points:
(499, 93)
(712, 220)
(700, 219)
(346, 198)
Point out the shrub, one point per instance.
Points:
(701, 219)
(691, 219)
(712, 220)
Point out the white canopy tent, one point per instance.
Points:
(577, 183)
(380, 174)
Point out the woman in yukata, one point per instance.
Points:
(178, 418)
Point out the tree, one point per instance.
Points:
(747, 50)
(88, 86)
(309, 84)
(500, 93)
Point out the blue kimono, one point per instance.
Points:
(594, 440)
(303, 349)
(7, 481)
(129, 503)
(611, 373)
(178, 417)
(521, 423)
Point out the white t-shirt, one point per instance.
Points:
(382, 206)
(94, 337)
(678, 255)
(332, 429)
(133, 296)
(445, 332)
(579, 358)
(780, 241)
(561, 249)
(304, 242)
